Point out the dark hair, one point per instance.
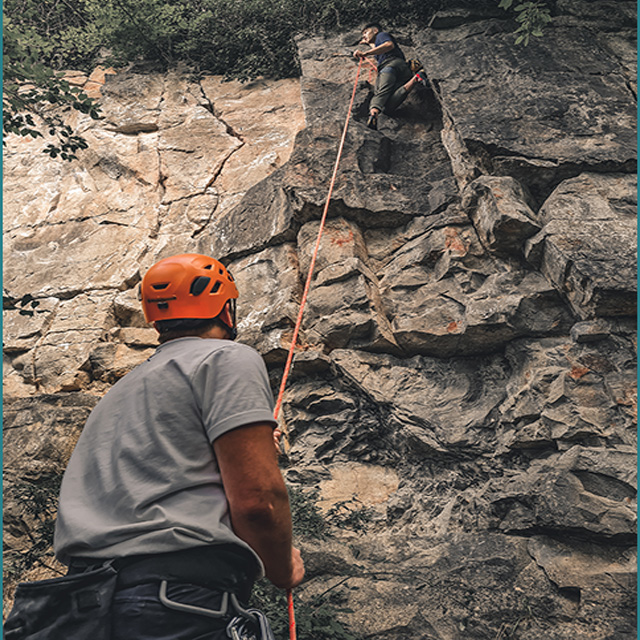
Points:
(375, 25)
(185, 327)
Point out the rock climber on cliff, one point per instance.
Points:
(175, 476)
(395, 78)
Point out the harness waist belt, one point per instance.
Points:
(224, 567)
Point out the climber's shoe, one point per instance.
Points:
(421, 77)
(372, 122)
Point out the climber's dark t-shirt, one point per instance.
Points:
(396, 52)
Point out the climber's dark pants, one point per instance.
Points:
(390, 92)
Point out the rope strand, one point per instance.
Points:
(292, 615)
(307, 285)
(305, 293)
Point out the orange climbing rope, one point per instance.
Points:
(372, 68)
(305, 293)
(307, 285)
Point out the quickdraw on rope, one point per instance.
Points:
(305, 293)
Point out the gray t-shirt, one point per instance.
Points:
(143, 477)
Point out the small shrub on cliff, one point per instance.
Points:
(306, 517)
(532, 16)
(315, 618)
(31, 89)
(350, 514)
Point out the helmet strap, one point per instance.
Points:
(228, 317)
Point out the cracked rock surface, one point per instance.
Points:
(160, 166)
(465, 381)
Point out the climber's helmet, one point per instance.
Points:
(189, 287)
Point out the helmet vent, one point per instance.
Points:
(163, 305)
(199, 285)
(216, 287)
(209, 266)
(159, 287)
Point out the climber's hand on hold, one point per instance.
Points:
(359, 54)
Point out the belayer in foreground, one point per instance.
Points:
(173, 504)
(395, 77)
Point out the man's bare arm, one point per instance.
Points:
(258, 500)
(376, 51)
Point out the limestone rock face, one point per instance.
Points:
(579, 248)
(145, 188)
(464, 384)
(545, 112)
(501, 211)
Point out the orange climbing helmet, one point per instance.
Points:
(188, 285)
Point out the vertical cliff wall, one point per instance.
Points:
(465, 383)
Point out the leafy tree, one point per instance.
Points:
(60, 31)
(227, 37)
(31, 90)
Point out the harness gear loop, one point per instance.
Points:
(305, 293)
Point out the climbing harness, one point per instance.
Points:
(248, 624)
(305, 293)
(242, 629)
(71, 606)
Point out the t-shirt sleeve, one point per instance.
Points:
(383, 37)
(232, 388)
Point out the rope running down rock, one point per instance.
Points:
(305, 293)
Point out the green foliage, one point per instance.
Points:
(40, 501)
(532, 17)
(306, 517)
(508, 631)
(235, 39)
(315, 618)
(31, 90)
(60, 31)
